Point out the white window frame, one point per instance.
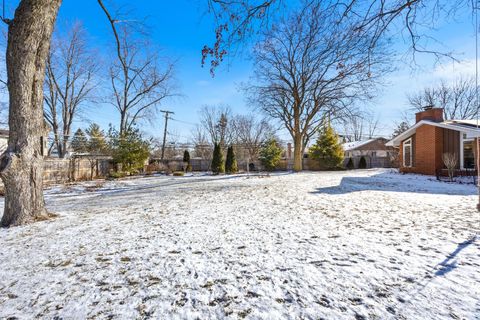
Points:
(462, 141)
(407, 143)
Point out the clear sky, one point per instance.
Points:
(181, 28)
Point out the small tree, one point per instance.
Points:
(79, 142)
(218, 165)
(350, 164)
(270, 154)
(401, 128)
(97, 145)
(231, 162)
(450, 161)
(362, 164)
(129, 149)
(327, 149)
(186, 160)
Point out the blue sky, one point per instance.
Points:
(181, 29)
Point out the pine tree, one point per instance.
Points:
(129, 150)
(270, 154)
(231, 162)
(97, 144)
(79, 142)
(186, 156)
(218, 165)
(186, 159)
(362, 164)
(327, 149)
(350, 164)
(401, 128)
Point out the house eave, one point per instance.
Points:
(395, 142)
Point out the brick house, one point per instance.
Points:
(372, 153)
(421, 147)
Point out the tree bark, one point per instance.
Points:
(297, 153)
(21, 166)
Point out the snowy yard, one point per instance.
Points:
(336, 245)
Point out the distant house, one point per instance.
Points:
(421, 147)
(371, 153)
(3, 140)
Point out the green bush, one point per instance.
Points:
(129, 150)
(178, 174)
(327, 149)
(362, 164)
(350, 165)
(117, 175)
(218, 165)
(231, 162)
(186, 159)
(270, 154)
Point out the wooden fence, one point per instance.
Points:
(74, 169)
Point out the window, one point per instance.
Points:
(407, 153)
(468, 156)
(374, 154)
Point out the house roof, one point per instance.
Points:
(472, 124)
(356, 144)
(349, 146)
(466, 126)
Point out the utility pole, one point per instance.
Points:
(167, 113)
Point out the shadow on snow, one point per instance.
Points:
(450, 262)
(394, 182)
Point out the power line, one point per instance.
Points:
(167, 113)
(185, 122)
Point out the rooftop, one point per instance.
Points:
(471, 127)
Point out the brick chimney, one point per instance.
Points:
(431, 114)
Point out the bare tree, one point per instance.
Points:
(360, 125)
(354, 127)
(457, 99)
(201, 145)
(29, 36)
(139, 85)
(310, 69)
(251, 133)
(236, 21)
(239, 20)
(21, 165)
(450, 162)
(68, 83)
(217, 123)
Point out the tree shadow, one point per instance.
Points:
(439, 270)
(140, 187)
(450, 263)
(395, 182)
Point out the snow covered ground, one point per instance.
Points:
(335, 245)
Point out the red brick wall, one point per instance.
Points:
(434, 114)
(428, 149)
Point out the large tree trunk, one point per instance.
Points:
(21, 166)
(297, 153)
